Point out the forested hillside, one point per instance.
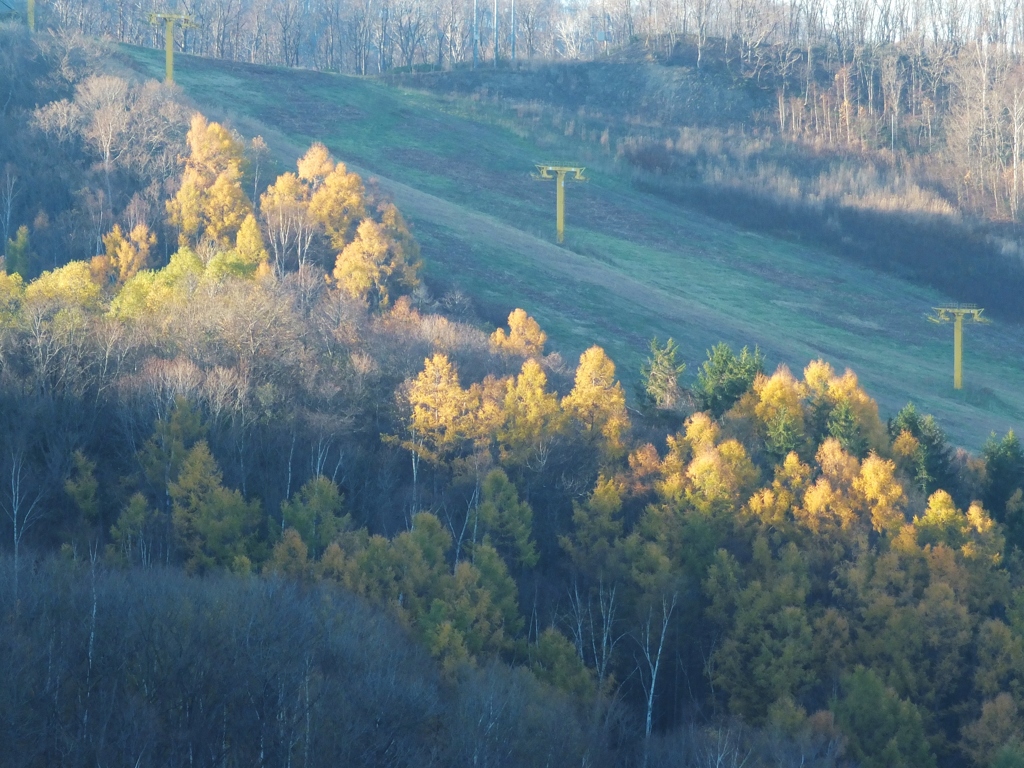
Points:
(889, 132)
(268, 500)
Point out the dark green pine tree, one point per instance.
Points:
(1004, 462)
(842, 425)
(725, 376)
(934, 462)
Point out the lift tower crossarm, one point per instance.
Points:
(560, 172)
(169, 20)
(956, 313)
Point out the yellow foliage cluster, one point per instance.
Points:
(516, 415)
(786, 411)
(524, 336)
(598, 403)
(125, 255)
(382, 257)
(322, 200)
(68, 286)
(12, 291)
(211, 210)
(323, 205)
(210, 204)
(702, 470)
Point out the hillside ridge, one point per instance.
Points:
(635, 266)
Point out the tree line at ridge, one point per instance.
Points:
(901, 154)
(911, 76)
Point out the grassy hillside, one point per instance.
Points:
(633, 266)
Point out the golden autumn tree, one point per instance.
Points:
(249, 245)
(883, 493)
(942, 522)
(700, 433)
(338, 199)
(441, 410)
(381, 260)
(598, 404)
(780, 410)
(532, 419)
(774, 506)
(524, 336)
(316, 165)
(127, 254)
(829, 504)
(974, 534)
(323, 206)
(67, 289)
(249, 256)
(210, 204)
(314, 208)
(838, 407)
(485, 404)
(720, 478)
(12, 292)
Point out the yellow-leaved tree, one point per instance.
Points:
(532, 419)
(127, 254)
(12, 292)
(774, 507)
(63, 290)
(780, 410)
(598, 404)
(883, 493)
(315, 165)
(338, 199)
(382, 259)
(303, 212)
(248, 257)
(829, 505)
(441, 411)
(720, 478)
(524, 336)
(210, 203)
(838, 407)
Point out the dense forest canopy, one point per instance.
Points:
(245, 456)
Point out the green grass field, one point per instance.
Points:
(633, 266)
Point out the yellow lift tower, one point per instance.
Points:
(956, 313)
(169, 20)
(560, 172)
(31, 15)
